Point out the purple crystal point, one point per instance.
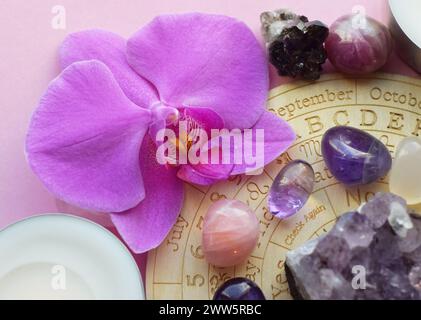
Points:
(357, 227)
(334, 252)
(379, 208)
(353, 156)
(415, 276)
(291, 188)
(381, 243)
(239, 289)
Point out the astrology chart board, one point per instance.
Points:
(387, 106)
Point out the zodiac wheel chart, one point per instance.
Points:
(387, 106)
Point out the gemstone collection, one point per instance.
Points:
(383, 236)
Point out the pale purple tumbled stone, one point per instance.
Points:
(291, 188)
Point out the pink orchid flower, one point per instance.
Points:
(91, 138)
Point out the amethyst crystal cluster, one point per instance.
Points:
(372, 253)
(296, 45)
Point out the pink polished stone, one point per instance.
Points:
(230, 233)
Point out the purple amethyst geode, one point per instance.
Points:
(370, 254)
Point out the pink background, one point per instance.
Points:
(28, 61)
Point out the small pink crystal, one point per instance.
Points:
(230, 233)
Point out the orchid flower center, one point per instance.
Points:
(182, 131)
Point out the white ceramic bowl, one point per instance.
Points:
(405, 27)
(57, 256)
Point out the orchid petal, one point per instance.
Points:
(204, 60)
(186, 121)
(205, 118)
(278, 137)
(189, 174)
(210, 167)
(110, 49)
(84, 140)
(205, 173)
(145, 226)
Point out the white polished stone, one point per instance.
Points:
(405, 176)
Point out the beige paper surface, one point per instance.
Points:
(387, 106)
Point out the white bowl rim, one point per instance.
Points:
(92, 223)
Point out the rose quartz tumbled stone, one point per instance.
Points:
(230, 233)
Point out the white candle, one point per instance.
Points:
(405, 27)
(64, 257)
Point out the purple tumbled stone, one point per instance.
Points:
(291, 188)
(380, 245)
(239, 289)
(355, 157)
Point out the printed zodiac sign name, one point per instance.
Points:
(177, 233)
